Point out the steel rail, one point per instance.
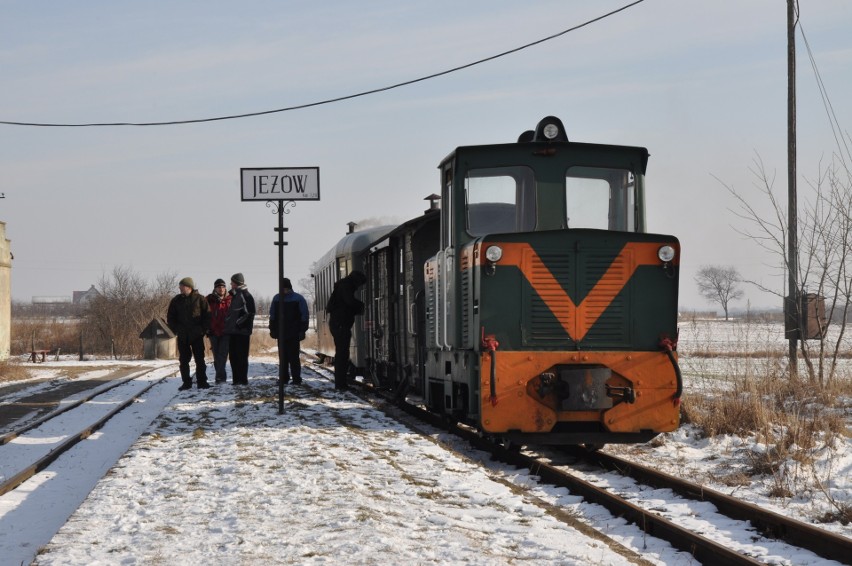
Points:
(11, 435)
(772, 525)
(704, 550)
(40, 464)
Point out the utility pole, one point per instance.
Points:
(793, 300)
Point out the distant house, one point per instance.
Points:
(83, 297)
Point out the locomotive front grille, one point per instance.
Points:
(562, 306)
(608, 320)
(548, 307)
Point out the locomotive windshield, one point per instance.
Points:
(500, 199)
(602, 198)
(503, 199)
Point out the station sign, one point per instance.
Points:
(279, 183)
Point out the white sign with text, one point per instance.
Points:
(280, 183)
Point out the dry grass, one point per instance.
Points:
(765, 405)
(789, 422)
(262, 343)
(12, 370)
(44, 334)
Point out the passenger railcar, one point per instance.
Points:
(533, 303)
(349, 254)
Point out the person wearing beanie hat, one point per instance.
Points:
(188, 316)
(238, 326)
(219, 302)
(289, 330)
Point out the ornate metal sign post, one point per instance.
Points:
(280, 187)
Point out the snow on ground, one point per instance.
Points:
(221, 478)
(32, 513)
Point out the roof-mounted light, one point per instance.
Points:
(550, 129)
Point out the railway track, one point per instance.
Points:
(30, 448)
(21, 414)
(710, 546)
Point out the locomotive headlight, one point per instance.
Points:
(550, 131)
(666, 254)
(493, 253)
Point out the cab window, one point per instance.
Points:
(599, 197)
(500, 200)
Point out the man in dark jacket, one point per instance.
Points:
(294, 324)
(189, 318)
(342, 308)
(238, 326)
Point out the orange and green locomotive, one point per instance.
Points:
(532, 303)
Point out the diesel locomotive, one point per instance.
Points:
(532, 303)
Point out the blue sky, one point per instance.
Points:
(702, 85)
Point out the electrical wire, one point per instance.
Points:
(829, 108)
(330, 100)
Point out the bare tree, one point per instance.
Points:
(825, 251)
(718, 284)
(125, 305)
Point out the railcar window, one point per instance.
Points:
(500, 199)
(599, 197)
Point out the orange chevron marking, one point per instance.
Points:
(577, 320)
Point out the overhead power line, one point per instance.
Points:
(330, 100)
(842, 145)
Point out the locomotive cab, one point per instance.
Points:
(550, 311)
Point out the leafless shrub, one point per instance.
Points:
(789, 420)
(824, 254)
(34, 333)
(125, 305)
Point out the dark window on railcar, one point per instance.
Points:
(600, 197)
(500, 199)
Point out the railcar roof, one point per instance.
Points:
(355, 242)
(537, 146)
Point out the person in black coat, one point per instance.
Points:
(342, 309)
(189, 318)
(238, 326)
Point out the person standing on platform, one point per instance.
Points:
(189, 318)
(238, 327)
(220, 302)
(295, 324)
(342, 309)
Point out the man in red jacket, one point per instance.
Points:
(220, 302)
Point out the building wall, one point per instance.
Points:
(5, 293)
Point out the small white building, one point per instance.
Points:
(5, 293)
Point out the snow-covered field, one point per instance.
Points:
(219, 477)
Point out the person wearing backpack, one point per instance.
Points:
(238, 326)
